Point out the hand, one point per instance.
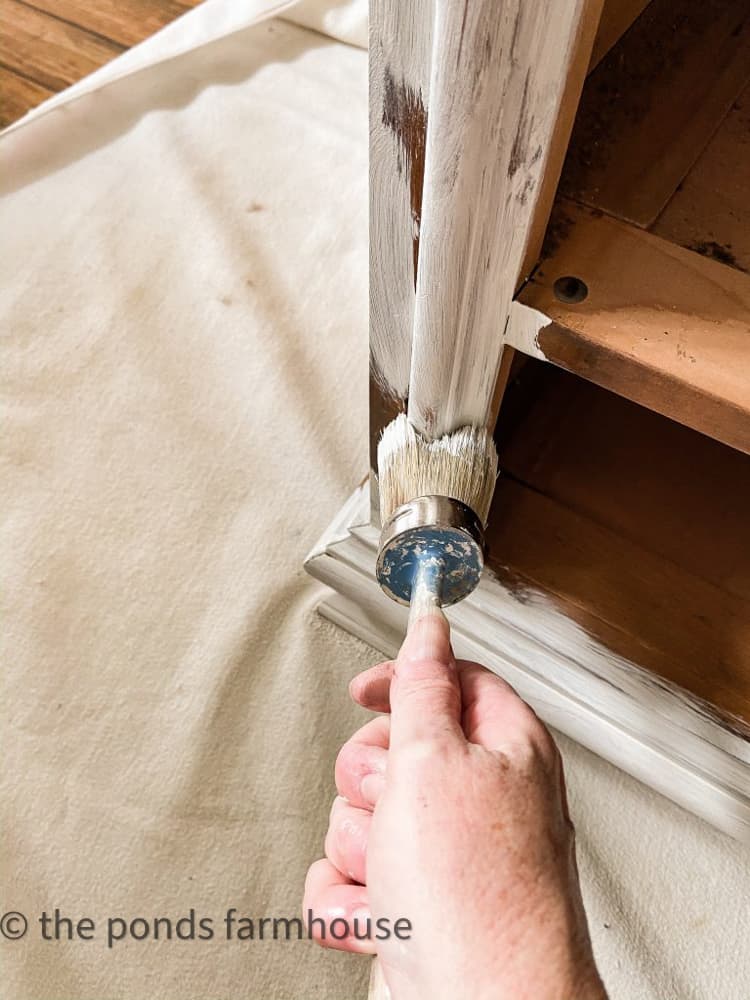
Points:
(452, 816)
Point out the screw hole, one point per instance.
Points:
(570, 289)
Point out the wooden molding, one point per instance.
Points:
(668, 739)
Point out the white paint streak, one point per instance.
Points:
(650, 728)
(497, 78)
(522, 331)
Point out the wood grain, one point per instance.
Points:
(51, 52)
(698, 641)
(660, 325)
(46, 45)
(587, 31)
(617, 16)
(710, 211)
(645, 477)
(638, 524)
(652, 104)
(17, 95)
(126, 22)
(497, 77)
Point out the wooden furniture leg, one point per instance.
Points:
(616, 598)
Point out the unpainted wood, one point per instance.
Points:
(51, 52)
(638, 523)
(587, 31)
(650, 107)
(17, 95)
(660, 325)
(616, 18)
(46, 45)
(709, 213)
(641, 475)
(126, 22)
(679, 627)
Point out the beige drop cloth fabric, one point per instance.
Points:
(184, 358)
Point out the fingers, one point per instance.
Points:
(360, 765)
(346, 840)
(336, 910)
(494, 716)
(372, 688)
(492, 713)
(425, 695)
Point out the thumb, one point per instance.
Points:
(425, 692)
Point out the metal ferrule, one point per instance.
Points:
(434, 537)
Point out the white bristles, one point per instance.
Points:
(462, 465)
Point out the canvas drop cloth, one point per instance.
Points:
(184, 407)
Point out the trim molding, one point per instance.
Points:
(654, 730)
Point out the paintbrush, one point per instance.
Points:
(434, 503)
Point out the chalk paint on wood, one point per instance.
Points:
(652, 729)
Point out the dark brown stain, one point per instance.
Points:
(642, 74)
(255, 206)
(405, 115)
(226, 300)
(558, 230)
(384, 408)
(716, 251)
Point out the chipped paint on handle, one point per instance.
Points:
(446, 557)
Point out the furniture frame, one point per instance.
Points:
(516, 238)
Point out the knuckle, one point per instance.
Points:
(423, 692)
(419, 760)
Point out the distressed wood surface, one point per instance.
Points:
(399, 67)
(651, 106)
(497, 79)
(669, 739)
(400, 51)
(638, 523)
(660, 325)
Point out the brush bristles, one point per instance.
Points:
(462, 465)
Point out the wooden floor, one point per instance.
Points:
(47, 45)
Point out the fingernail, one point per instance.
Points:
(428, 639)
(371, 787)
